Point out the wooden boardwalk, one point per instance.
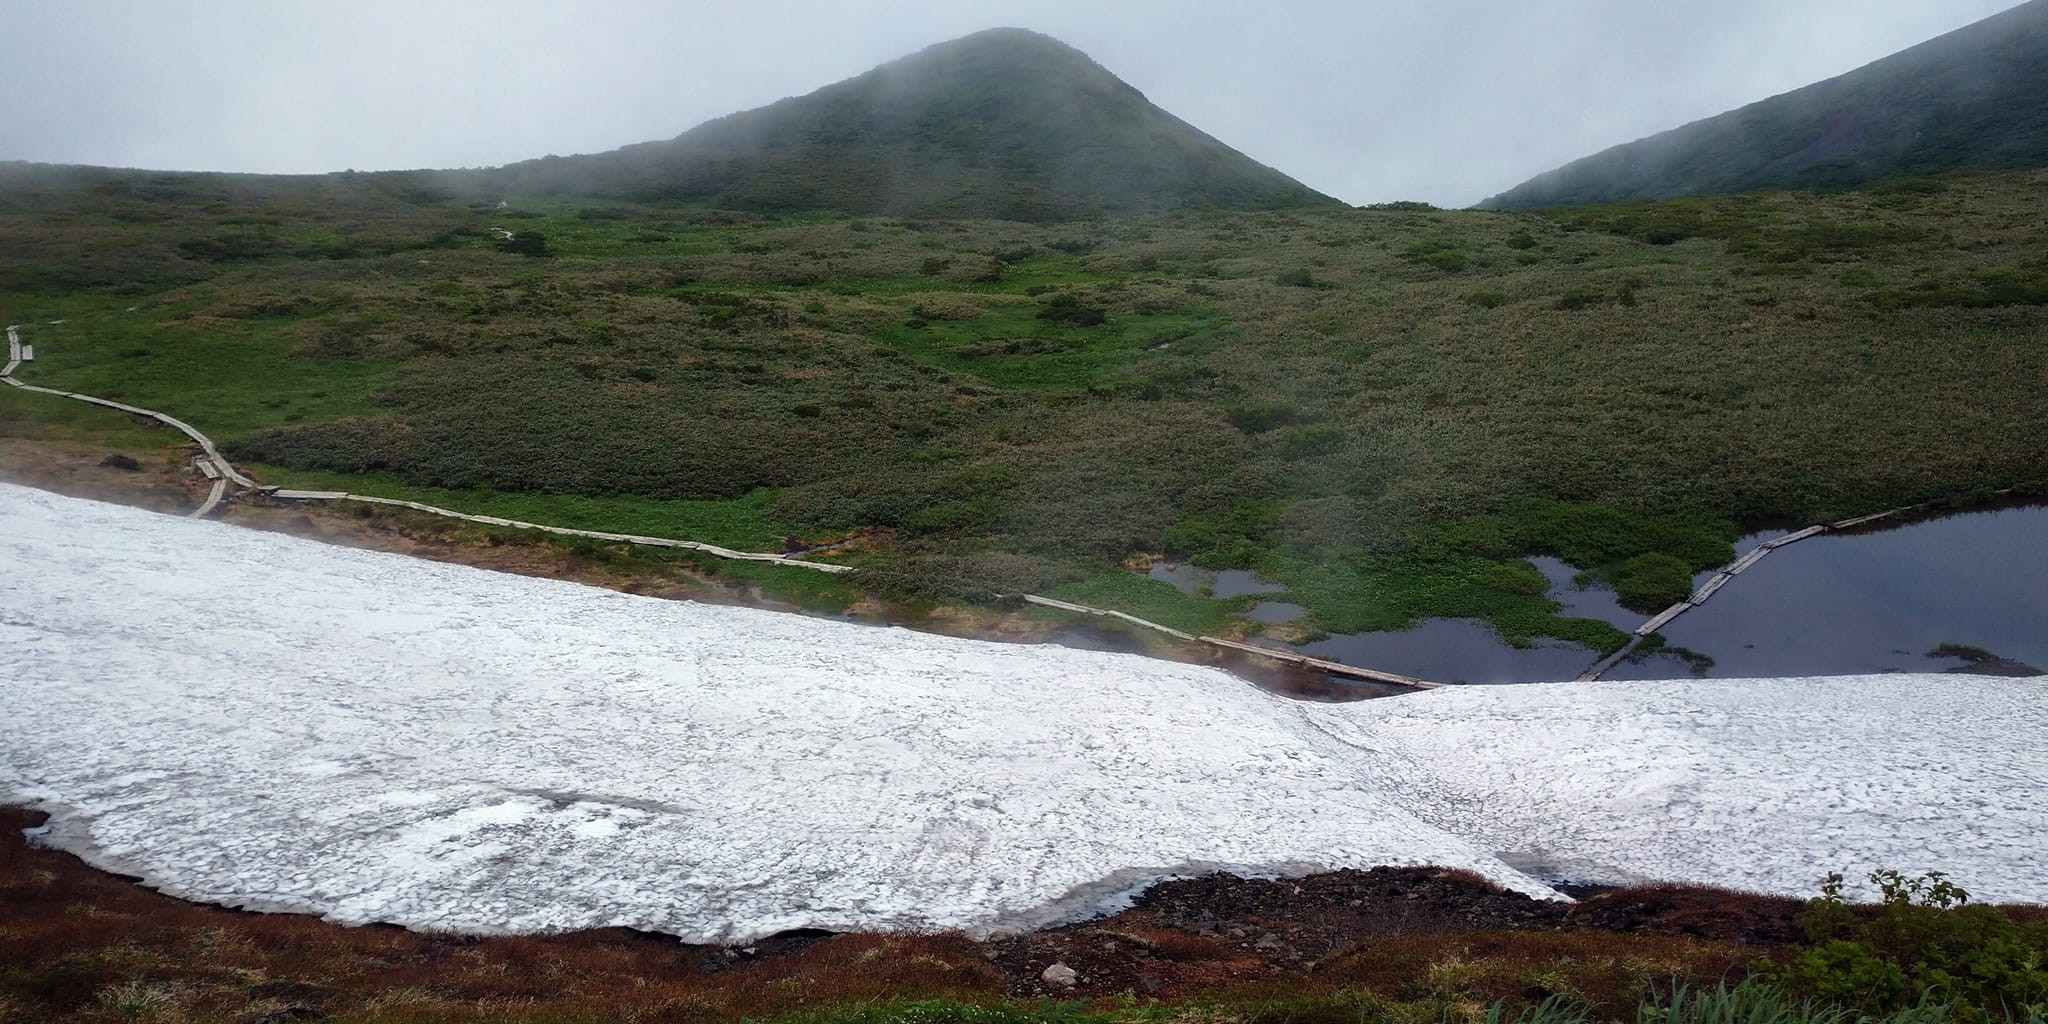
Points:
(18, 354)
(216, 468)
(623, 538)
(1332, 667)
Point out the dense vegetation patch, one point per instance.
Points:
(1023, 408)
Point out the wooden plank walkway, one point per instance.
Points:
(1331, 667)
(1083, 609)
(213, 497)
(1663, 618)
(624, 538)
(205, 443)
(1793, 538)
(217, 468)
(1737, 567)
(1712, 587)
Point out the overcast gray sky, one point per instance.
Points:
(1369, 100)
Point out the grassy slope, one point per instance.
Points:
(1362, 404)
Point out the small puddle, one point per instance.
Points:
(1190, 579)
(1185, 577)
(1596, 601)
(1239, 582)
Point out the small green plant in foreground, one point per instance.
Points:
(1926, 944)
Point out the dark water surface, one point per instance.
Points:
(1836, 604)
(1454, 651)
(1870, 601)
(1190, 579)
(1879, 601)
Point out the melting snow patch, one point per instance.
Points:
(261, 721)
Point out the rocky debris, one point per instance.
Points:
(1719, 914)
(290, 1013)
(1322, 913)
(1187, 933)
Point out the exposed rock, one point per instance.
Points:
(1060, 976)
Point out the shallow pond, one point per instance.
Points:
(1870, 601)
(1876, 601)
(1454, 651)
(1190, 579)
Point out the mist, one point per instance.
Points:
(1448, 101)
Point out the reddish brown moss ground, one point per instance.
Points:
(78, 944)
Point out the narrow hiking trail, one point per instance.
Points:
(216, 468)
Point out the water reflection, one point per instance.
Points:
(1877, 601)
(1596, 601)
(1454, 651)
(1190, 579)
(1239, 582)
(1185, 578)
(1873, 601)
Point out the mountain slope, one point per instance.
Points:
(1974, 98)
(1005, 123)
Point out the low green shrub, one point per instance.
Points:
(1259, 417)
(1579, 298)
(1925, 945)
(1652, 581)
(1064, 308)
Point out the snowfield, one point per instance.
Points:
(250, 719)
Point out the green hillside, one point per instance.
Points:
(1383, 409)
(1975, 98)
(1006, 124)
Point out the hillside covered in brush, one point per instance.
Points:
(1974, 98)
(1381, 409)
(1007, 124)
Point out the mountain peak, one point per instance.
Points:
(1005, 123)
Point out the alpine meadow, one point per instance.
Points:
(985, 343)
